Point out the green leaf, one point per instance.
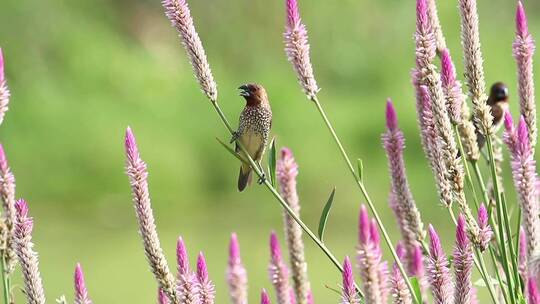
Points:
(324, 214)
(230, 150)
(336, 290)
(416, 287)
(360, 165)
(272, 162)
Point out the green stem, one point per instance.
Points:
(280, 199)
(366, 197)
(5, 280)
(466, 166)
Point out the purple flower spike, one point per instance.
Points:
(348, 294)
(187, 281)
(422, 15)
(486, 234)
(236, 273)
(4, 91)
(523, 50)
(206, 287)
(451, 87)
(81, 294)
(162, 297)
(438, 271)
(532, 290)
(364, 225)
(374, 234)
(521, 21)
(391, 116)
(265, 299)
(508, 122)
(297, 49)
(417, 263)
(401, 252)
(28, 258)
(463, 264)
(279, 273)
(182, 257)
(309, 297)
(7, 194)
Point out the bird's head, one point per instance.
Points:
(498, 93)
(254, 93)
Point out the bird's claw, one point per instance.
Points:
(262, 179)
(234, 137)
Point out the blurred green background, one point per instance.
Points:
(80, 72)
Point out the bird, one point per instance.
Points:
(253, 129)
(498, 102)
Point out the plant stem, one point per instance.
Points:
(5, 281)
(280, 199)
(366, 196)
(466, 166)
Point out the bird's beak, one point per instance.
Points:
(244, 90)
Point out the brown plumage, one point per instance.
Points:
(498, 101)
(253, 128)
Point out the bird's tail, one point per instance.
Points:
(244, 178)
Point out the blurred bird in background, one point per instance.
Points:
(498, 101)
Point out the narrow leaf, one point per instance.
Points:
(360, 165)
(230, 150)
(272, 162)
(324, 215)
(416, 287)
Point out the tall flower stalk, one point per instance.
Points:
(4, 91)
(348, 293)
(7, 193)
(81, 293)
(287, 170)
(523, 53)
(279, 273)
(187, 285)
(438, 271)
(463, 265)
(236, 274)
(206, 287)
(137, 173)
(28, 258)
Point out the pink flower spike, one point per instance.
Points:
(374, 234)
(278, 271)
(348, 294)
(401, 252)
(417, 263)
(265, 299)
(132, 151)
(236, 273)
(182, 257)
(364, 225)
(162, 297)
(81, 294)
(438, 271)
(391, 116)
(422, 15)
(521, 21)
(310, 297)
(522, 257)
(483, 217)
(435, 248)
(463, 264)
(2, 76)
(523, 135)
(293, 14)
(448, 70)
(206, 287)
(275, 250)
(532, 290)
(508, 122)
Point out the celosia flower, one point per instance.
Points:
(236, 273)
(383, 265)
(523, 49)
(348, 293)
(28, 258)
(162, 297)
(438, 272)
(7, 193)
(81, 293)
(533, 296)
(452, 88)
(297, 49)
(369, 260)
(473, 60)
(137, 173)
(486, 234)
(4, 91)
(265, 299)
(279, 274)
(525, 178)
(411, 225)
(206, 287)
(287, 170)
(436, 25)
(178, 13)
(400, 292)
(463, 264)
(187, 284)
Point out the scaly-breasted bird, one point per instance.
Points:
(498, 101)
(253, 128)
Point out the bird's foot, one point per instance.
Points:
(262, 179)
(234, 137)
